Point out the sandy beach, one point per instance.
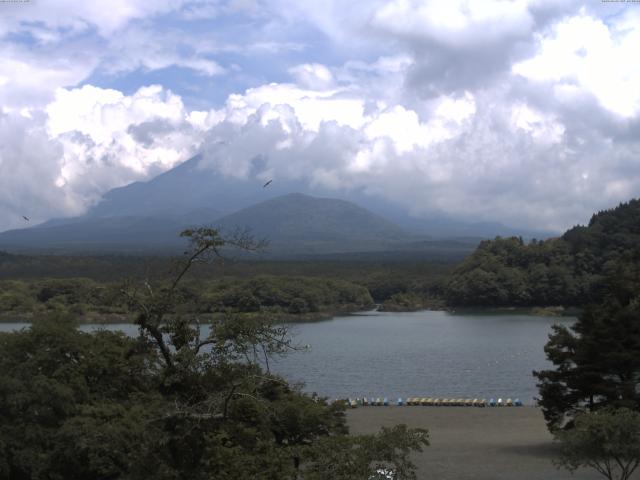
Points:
(475, 443)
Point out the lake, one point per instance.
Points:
(426, 354)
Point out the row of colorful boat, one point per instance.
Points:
(435, 402)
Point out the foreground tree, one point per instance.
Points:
(607, 441)
(177, 401)
(597, 361)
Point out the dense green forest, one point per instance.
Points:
(572, 270)
(266, 294)
(90, 286)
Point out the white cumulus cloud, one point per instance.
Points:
(132, 135)
(584, 54)
(456, 23)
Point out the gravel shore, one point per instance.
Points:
(508, 443)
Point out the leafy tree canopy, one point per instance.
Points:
(172, 404)
(596, 363)
(607, 441)
(572, 270)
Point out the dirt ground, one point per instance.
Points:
(508, 443)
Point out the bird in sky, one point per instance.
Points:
(25, 218)
(267, 184)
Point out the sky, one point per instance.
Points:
(525, 112)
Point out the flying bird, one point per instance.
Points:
(25, 218)
(267, 184)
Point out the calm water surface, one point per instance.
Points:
(430, 354)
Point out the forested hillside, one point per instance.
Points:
(571, 270)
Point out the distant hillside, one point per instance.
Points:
(192, 185)
(298, 223)
(187, 187)
(570, 270)
(146, 217)
(132, 234)
(293, 224)
(126, 234)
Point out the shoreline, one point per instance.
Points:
(310, 317)
(537, 311)
(204, 319)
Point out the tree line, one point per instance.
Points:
(572, 270)
(590, 397)
(263, 294)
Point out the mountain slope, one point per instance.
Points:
(190, 186)
(294, 224)
(149, 216)
(134, 234)
(301, 223)
(184, 188)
